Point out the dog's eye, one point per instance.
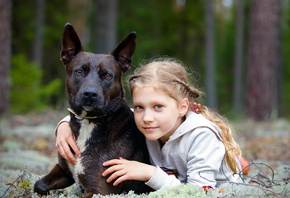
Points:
(107, 76)
(79, 72)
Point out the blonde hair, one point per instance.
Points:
(170, 76)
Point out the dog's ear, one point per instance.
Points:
(123, 53)
(71, 44)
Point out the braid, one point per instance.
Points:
(132, 78)
(232, 148)
(192, 92)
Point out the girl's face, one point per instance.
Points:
(157, 115)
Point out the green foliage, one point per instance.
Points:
(26, 185)
(27, 92)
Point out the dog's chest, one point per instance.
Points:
(85, 134)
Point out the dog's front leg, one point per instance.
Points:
(94, 183)
(89, 195)
(57, 178)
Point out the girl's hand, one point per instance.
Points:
(65, 140)
(123, 170)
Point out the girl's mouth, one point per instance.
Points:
(149, 129)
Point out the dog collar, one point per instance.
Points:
(83, 115)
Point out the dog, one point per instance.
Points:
(101, 120)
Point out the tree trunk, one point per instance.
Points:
(263, 59)
(5, 51)
(210, 55)
(38, 42)
(106, 28)
(78, 17)
(237, 99)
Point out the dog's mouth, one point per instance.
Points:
(93, 110)
(88, 108)
(88, 105)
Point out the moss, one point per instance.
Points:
(11, 145)
(20, 159)
(184, 191)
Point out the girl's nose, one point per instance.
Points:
(148, 117)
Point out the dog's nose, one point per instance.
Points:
(90, 93)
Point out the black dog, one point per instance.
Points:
(101, 121)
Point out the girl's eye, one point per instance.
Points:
(158, 106)
(138, 107)
(107, 76)
(79, 72)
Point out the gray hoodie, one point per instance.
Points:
(196, 151)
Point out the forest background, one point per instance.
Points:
(238, 50)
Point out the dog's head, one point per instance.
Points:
(93, 81)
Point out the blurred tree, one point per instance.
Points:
(210, 55)
(78, 14)
(238, 71)
(5, 22)
(57, 14)
(224, 50)
(284, 79)
(263, 59)
(39, 26)
(165, 28)
(106, 26)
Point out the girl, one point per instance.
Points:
(187, 142)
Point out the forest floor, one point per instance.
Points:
(27, 152)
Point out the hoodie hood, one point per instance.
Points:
(192, 122)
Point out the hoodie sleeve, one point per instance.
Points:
(160, 179)
(65, 119)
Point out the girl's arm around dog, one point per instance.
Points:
(65, 140)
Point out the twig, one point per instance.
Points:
(13, 183)
(260, 176)
(260, 187)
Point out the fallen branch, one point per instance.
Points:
(14, 183)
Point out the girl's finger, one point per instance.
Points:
(61, 151)
(67, 154)
(112, 169)
(120, 180)
(112, 162)
(64, 155)
(116, 175)
(74, 147)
